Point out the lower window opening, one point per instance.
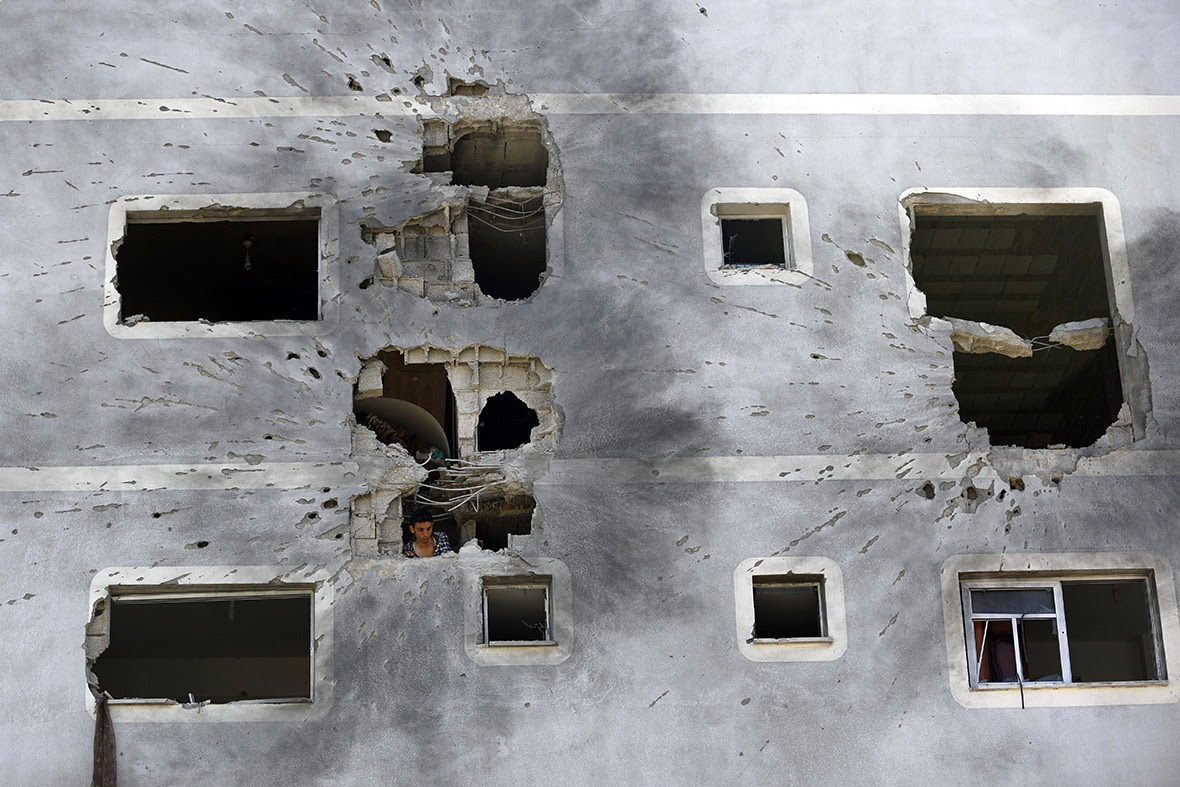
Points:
(214, 648)
(504, 423)
(221, 270)
(507, 245)
(787, 608)
(516, 612)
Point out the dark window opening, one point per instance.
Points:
(498, 159)
(787, 608)
(507, 245)
(497, 519)
(217, 649)
(505, 422)
(1110, 632)
(416, 409)
(753, 242)
(226, 270)
(516, 612)
(1028, 273)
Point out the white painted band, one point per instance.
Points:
(26, 110)
(586, 472)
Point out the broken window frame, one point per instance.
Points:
(1047, 201)
(504, 568)
(785, 205)
(962, 573)
(176, 582)
(533, 582)
(820, 571)
(974, 648)
(222, 207)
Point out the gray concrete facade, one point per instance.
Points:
(697, 425)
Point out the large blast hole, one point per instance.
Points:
(507, 245)
(224, 270)
(217, 649)
(499, 159)
(496, 520)
(1028, 268)
(504, 423)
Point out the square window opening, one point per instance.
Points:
(516, 613)
(788, 607)
(219, 266)
(1063, 631)
(215, 647)
(754, 242)
(1027, 288)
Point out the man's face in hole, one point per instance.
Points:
(422, 530)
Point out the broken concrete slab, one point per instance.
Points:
(1083, 334)
(980, 337)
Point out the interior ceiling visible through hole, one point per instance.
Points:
(495, 520)
(505, 422)
(507, 246)
(496, 160)
(1028, 273)
(416, 409)
(220, 650)
(192, 270)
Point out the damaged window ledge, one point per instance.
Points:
(792, 641)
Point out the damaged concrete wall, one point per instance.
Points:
(692, 426)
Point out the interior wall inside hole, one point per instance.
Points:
(192, 270)
(499, 158)
(497, 519)
(418, 402)
(218, 649)
(1059, 396)
(505, 422)
(506, 242)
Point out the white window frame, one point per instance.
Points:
(787, 205)
(820, 571)
(113, 586)
(963, 573)
(328, 285)
(508, 571)
(512, 583)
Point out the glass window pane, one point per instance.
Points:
(1022, 601)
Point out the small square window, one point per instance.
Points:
(1068, 629)
(756, 236)
(516, 612)
(790, 609)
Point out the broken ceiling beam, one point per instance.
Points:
(980, 337)
(1082, 335)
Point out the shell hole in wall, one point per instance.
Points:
(416, 409)
(1030, 269)
(504, 423)
(507, 245)
(239, 268)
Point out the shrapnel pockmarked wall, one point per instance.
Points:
(767, 350)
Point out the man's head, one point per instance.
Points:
(422, 524)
